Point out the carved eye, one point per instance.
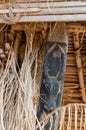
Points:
(47, 85)
(55, 86)
(55, 89)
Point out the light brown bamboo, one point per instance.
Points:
(79, 66)
(22, 1)
(17, 43)
(11, 1)
(1, 38)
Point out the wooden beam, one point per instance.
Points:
(53, 18)
(45, 12)
(48, 11)
(31, 1)
(22, 1)
(50, 4)
(50, 18)
(53, 4)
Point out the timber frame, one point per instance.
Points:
(45, 11)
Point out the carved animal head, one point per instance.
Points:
(52, 89)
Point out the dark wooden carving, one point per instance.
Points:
(53, 77)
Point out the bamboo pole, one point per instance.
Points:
(79, 66)
(78, 10)
(17, 43)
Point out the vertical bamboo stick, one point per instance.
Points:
(79, 66)
(17, 43)
(1, 38)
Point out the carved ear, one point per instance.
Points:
(63, 61)
(45, 66)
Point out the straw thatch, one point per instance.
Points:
(20, 76)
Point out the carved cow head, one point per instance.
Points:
(52, 90)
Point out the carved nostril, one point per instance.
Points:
(45, 107)
(48, 109)
(51, 108)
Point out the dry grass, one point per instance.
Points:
(17, 110)
(19, 87)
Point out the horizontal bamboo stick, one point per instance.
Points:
(72, 72)
(70, 84)
(70, 87)
(71, 76)
(70, 80)
(65, 101)
(50, 3)
(47, 11)
(71, 95)
(48, 18)
(22, 1)
(71, 92)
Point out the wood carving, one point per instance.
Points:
(53, 71)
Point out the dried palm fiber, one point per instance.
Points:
(39, 44)
(1, 45)
(6, 41)
(69, 117)
(19, 88)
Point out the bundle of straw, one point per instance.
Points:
(19, 87)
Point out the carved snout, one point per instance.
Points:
(51, 104)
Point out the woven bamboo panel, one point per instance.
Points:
(71, 93)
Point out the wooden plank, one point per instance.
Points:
(60, 13)
(48, 18)
(47, 11)
(50, 4)
(53, 4)
(21, 10)
(23, 1)
(54, 11)
(52, 18)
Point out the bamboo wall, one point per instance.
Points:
(72, 92)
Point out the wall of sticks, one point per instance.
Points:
(75, 76)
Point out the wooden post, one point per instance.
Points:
(53, 70)
(79, 66)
